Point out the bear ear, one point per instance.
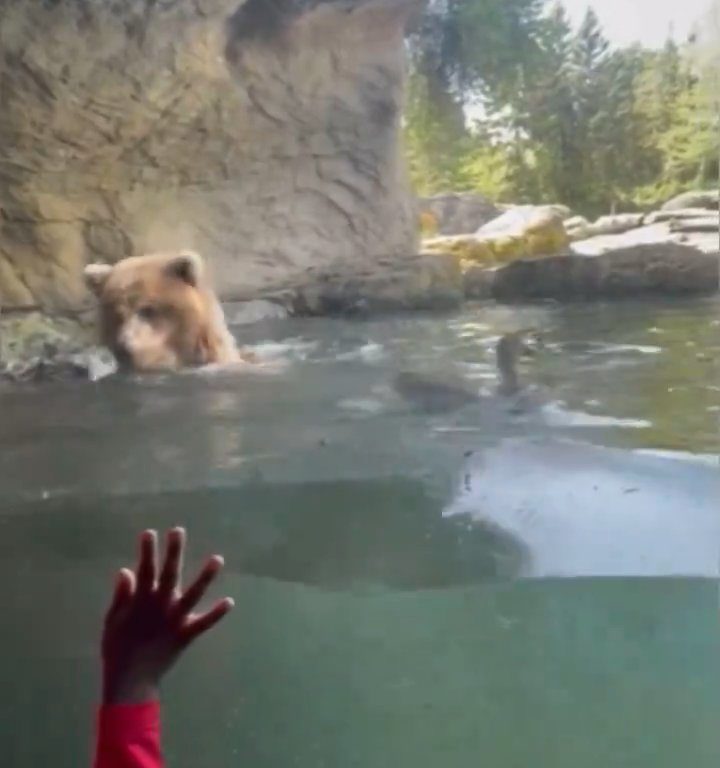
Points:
(186, 266)
(96, 275)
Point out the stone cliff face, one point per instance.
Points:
(262, 133)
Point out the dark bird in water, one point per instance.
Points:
(431, 395)
(435, 395)
(508, 351)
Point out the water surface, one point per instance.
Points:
(378, 555)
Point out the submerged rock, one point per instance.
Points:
(35, 348)
(92, 364)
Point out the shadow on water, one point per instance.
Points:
(393, 535)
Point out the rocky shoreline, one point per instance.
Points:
(521, 254)
(36, 347)
(530, 252)
(305, 211)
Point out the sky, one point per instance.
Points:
(644, 21)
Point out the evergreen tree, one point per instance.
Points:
(563, 117)
(552, 107)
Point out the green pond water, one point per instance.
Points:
(412, 590)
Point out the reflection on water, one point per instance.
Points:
(582, 510)
(374, 550)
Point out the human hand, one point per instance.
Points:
(150, 621)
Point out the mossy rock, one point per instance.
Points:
(24, 336)
(35, 348)
(551, 241)
(486, 251)
(541, 237)
(462, 247)
(506, 248)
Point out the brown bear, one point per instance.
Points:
(157, 312)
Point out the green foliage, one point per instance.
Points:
(443, 158)
(562, 117)
(432, 136)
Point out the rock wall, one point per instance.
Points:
(262, 133)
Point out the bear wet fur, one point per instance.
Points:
(159, 312)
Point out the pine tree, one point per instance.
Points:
(590, 47)
(553, 106)
(614, 139)
(566, 118)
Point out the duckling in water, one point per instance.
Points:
(431, 395)
(508, 351)
(437, 396)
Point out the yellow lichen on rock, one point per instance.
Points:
(548, 240)
(462, 247)
(515, 235)
(506, 248)
(542, 231)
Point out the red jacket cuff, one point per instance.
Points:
(128, 736)
(124, 721)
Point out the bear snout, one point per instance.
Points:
(145, 347)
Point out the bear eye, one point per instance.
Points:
(148, 312)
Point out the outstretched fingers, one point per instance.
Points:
(195, 592)
(172, 568)
(147, 564)
(197, 625)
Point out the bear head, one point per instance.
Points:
(158, 313)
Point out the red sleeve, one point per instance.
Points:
(128, 736)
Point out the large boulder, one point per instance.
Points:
(615, 224)
(657, 233)
(709, 223)
(455, 214)
(264, 135)
(709, 199)
(519, 219)
(520, 232)
(683, 214)
(577, 228)
(668, 269)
